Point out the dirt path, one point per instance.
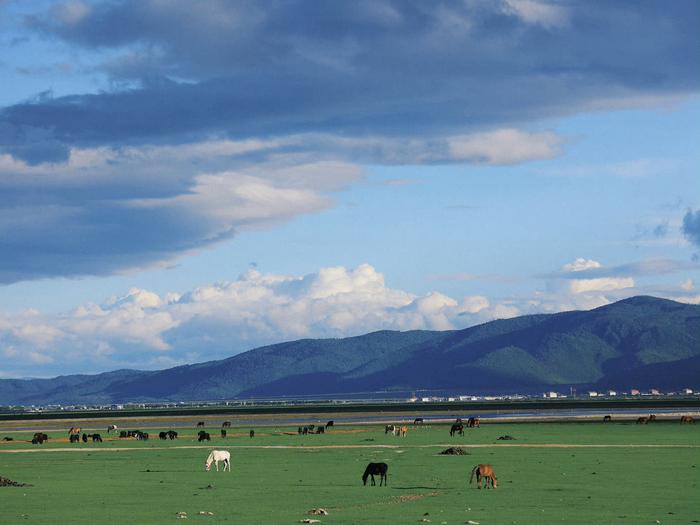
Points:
(314, 447)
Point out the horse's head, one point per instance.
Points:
(207, 466)
(364, 478)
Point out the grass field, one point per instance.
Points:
(578, 473)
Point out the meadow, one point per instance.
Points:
(568, 472)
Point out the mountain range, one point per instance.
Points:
(640, 342)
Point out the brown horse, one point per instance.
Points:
(404, 431)
(484, 472)
(652, 417)
(642, 420)
(687, 419)
(74, 430)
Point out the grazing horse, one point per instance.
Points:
(200, 424)
(376, 468)
(473, 422)
(226, 424)
(203, 436)
(172, 434)
(74, 430)
(223, 433)
(687, 419)
(330, 424)
(404, 431)
(85, 438)
(218, 455)
(389, 428)
(418, 421)
(163, 435)
(652, 417)
(74, 438)
(110, 428)
(607, 418)
(642, 420)
(457, 428)
(252, 433)
(484, 472)
(96, 438)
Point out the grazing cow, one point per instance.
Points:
(652, 417)
(39, 438)
(141, 436)
(85, 438)
(389, 428)
(484, 472)
(330, 424)
(96, 438)
(642, 420)
(111, 427)
(218, 455)
(473, 422)
(687, 419)
(163, 435)
(252, 433)
(223, 433)
(376, 468)
(457, 428)
(607, 418)
(200, 424)
(74, 438)
(172, 434)
(226, 424)
(418, 421)
(37, 441)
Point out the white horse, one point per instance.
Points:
(215, 457)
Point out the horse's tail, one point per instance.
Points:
(471, 478)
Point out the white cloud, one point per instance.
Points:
(537, 12)
(581, 264)
(602, 284)
(504, 146)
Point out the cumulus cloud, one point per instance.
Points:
(145, 330)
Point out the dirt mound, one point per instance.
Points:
(4, 482)
(454, 451)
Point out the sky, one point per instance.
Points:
(181, 182)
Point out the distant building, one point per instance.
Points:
(687, 391)
(654, 392)
(592, 394)
(634, 392)
(612, 393)
(551, 395)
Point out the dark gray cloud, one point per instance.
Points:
(411, 68)
(691, 227)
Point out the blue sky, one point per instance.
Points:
(184, 183)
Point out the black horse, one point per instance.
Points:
(172, 434)
(457, 428)
(163, 435)
(203, 436)
(376, 468)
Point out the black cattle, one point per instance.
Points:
(389, 428)
(162, 435)
(252, 433)
(376, 468)
(204, 436)
(41, 436)
(223, 433)
(172, 434)
(473, 422)
(457, 428)
(74, 438)
(299, 431)
(37, 441)
(305, 430)
(330, 424)
(141, 436)
(96, 438)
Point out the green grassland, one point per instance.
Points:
(634, 474)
